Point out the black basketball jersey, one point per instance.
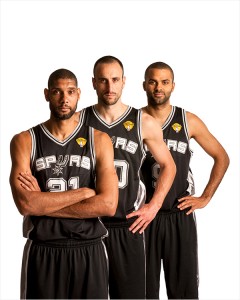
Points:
(175, 134)
(60, 166)
(129, 154)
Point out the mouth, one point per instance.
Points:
(64, 109)
(110, 94)
(159, 94)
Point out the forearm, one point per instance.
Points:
(218, 170)
(44, 203)
(93, 207)
(163, 185)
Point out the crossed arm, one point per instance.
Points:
(79, 203)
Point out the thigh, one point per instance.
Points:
(180, 258)
(126, 254)
(153, 237)
(47, 273)
(89, 272)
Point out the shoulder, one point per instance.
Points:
(101, 137)
(149, 122)
(103, 146)
(150, 127)
(22, 137)
(21, 143)
(195, 125)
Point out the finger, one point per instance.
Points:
(133, 214)
(25, 181)
(136, 229)
(144, 227)
(135, 225)
(190, 211)
(25, 186)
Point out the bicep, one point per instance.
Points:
(20, 150)
(106, 178)
(199, 131)
(153, 138)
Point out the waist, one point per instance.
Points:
(67, 243)
(115, 222)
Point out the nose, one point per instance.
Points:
(158, 86)
(64, 97)
(109, 86)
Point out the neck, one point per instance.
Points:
(61, 129)
(111, 113)
(159, 112)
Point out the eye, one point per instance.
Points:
(72, 92)
(152, 82)
(55, 92)
(102, 80)
(116, 79)
(165, 82)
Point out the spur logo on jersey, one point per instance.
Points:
(128, 125)
(176, 127)
(124, 144)
(58, 163)
(81, 142)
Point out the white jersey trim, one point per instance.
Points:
(116, 122)
(54, 139)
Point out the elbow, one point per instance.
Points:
(23, 209)
(112, 204)
(227, 161)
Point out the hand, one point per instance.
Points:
(145, 215)
(192, 203)
(29, 182)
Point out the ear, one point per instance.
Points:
(79, 93)
(94, 83)
(124, 80)
(144, 85)
(173, 86)
(46, 93)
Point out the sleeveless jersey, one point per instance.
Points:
(60, 166)
(129, 154)
(175, 134)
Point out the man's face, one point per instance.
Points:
(108, 82)
(158, 86)
(63, 96)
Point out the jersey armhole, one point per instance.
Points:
(33, 147)
(139, 120)
(92, 151)
(185, 125)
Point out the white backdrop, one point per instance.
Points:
(198, 39)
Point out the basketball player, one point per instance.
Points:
(172, 236)
(128, 129)
(64, 257)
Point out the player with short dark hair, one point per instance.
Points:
(63, 163)
(128, 129)
(172, 236)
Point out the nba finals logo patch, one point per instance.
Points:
(81, 142)
(177, 127)
(128, 125)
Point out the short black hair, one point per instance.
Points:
(107, 60)
(61, 74)
(159, 65)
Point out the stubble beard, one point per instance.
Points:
(154, 102)
(107, 102)
(60, 116)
